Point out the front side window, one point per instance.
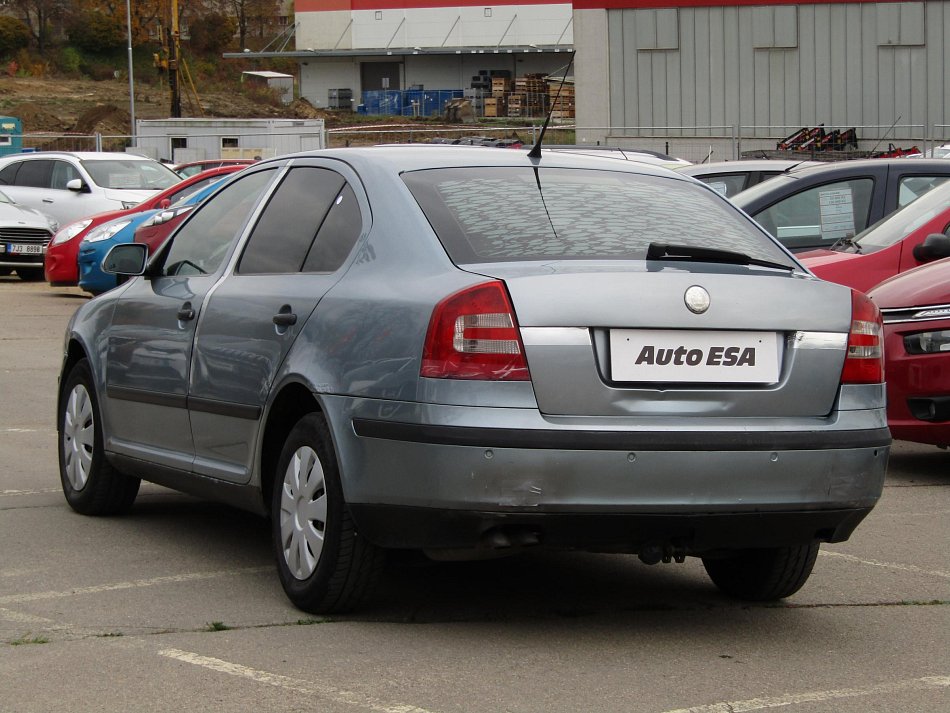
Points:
(822, 214)
(201, 245)
(521, 214)
(913, 187)
(8, 174)
(63, 173)
(726, 184)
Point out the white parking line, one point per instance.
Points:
(758, 704)
(887, 565)
(27, 430)
(135, 584)
(38, 491)
(21, 618)
(287, 683)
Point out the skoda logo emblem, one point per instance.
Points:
(697, 299)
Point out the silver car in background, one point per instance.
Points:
(469, 352)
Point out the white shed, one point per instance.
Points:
(282, 83)
(192, 139)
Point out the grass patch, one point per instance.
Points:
(218, 626)
(24, 641)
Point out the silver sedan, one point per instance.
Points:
(472, 352)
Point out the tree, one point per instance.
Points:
(251, 16)
(96, 32)
(39, 16)
(14, 35)
(211, 33)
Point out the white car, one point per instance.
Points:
(24, 235)
(73, 185)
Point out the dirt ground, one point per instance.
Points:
(90, 107)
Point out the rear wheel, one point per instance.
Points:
(763, 575)
(323, 563)
(30, 274)
(90, 483)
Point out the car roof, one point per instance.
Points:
(412, 157)
(81, 155)
(742, 165)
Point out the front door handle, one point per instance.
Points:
(186, 313)
(285, 318)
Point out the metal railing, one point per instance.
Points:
(693, 143)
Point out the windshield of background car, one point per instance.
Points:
(131, 175)
(902, 223)
(496, 214)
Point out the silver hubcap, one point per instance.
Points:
(79, 437)
(303, 512)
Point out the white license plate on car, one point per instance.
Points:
(678, 356)
(25, 249)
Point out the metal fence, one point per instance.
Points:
(693, 143)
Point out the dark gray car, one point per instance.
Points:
(468, 351)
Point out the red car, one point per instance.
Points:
(890, 246)
(192, 167)
(916, 310)
(61, 267)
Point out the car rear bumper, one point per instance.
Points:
(430, 467)
(666, 533)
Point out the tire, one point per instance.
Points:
(30, 274)
(763, 575)
(91, 484)
(323, 563)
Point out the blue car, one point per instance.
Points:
(99, 241)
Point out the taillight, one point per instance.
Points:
(864, 362)
(473, 334)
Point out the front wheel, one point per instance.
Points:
(323, 563)
(763, 575)
(91, 484)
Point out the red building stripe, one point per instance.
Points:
(353, 5)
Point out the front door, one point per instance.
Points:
(150, 340)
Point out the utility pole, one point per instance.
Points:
(174, 48)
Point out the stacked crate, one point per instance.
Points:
(531, 92)
(562, 105)
(497, 104)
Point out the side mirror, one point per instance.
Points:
(935, 247)
(77, 185)
(164, 203)
(126, 259)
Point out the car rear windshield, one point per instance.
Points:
(131, 175)
(501, 214)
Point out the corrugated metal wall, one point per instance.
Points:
(855, 64)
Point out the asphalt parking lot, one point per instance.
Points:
(177, 606)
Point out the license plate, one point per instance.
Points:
(26, 249)
(715, 357)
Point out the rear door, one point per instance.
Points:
(290, 260)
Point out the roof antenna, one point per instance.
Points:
(535, 152)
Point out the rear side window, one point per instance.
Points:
(35, 174)
(283, 236)
(726, 184)
(8, 174)
(519, 214)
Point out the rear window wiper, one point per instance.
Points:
(665, 251)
